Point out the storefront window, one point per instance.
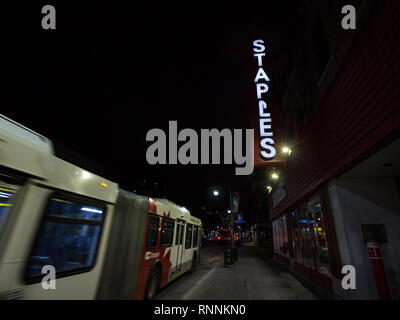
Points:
(275, 237)
(281, 243)
(305, 237)
(309, 237)
(319, 235)
(297, 244)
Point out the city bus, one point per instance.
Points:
(97, 241)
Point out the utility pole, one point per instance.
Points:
(230, 243)
(231, 253)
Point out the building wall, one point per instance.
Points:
(332, 126)
(358, 111)
(356, 201)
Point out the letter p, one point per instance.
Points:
(261, 88)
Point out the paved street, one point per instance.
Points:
(250, 278)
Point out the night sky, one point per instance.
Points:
(108, 74)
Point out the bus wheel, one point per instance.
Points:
(153, 283)
(194, 263)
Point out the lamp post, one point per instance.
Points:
(231, 219)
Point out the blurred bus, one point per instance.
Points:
(103, 242)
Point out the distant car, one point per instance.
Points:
(225, 235)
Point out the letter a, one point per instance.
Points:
(349, 20)
(157, 152)
(49, 20)
(349, 280)
(49, 280)
(261, 75)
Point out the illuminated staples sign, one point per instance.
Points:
(267, 151)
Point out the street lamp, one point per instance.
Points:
(287, 150)
(231, 220)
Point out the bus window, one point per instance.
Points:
(195, 236)
(152, 233)
(167, 232)
(181, 234)
(177, 234)
(7, 196)
(201, 235)
(188, 238)
(68, 237)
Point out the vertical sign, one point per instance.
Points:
(266, 144)
(262, 102)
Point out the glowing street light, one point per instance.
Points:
(229, 211)
(216, 193)
(287, 150)
(274, 176)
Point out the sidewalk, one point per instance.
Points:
(250, 278)
(248, 244)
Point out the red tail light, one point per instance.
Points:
(229, 238)
(218, 238)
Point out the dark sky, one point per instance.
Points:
(108, 74)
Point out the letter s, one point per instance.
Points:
(265, 144)
(258, 44)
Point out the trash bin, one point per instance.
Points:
(228, 257)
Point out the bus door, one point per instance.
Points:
(179, 244)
